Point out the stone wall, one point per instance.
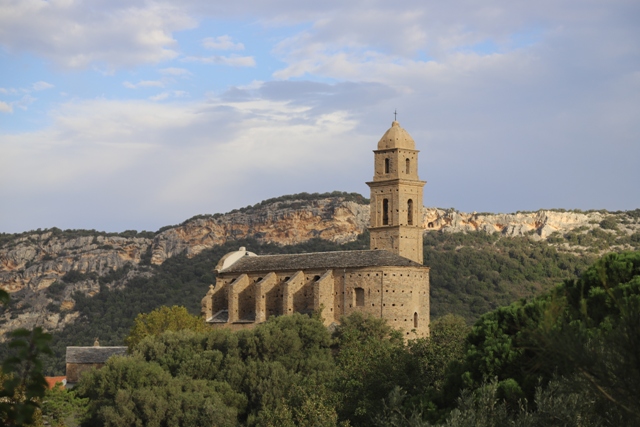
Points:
(398, 294)
(75, 370)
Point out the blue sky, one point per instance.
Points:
(136, 114)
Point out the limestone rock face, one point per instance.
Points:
(37, 260)
(538, 225)
(284, 223)
(33, 262)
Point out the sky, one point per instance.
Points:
(136, 114)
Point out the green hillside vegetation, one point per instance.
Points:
(473, 273)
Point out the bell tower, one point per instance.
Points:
(396, 196)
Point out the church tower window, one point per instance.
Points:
(385, 211)
(408, 166)
(410, 212)
(386, 165)
(415, 320)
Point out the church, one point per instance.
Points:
(387, 281)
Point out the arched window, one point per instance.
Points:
(410, 212)
(385, 211)
(359, 297)
(408, 165)
(415, 320)
(386, 165)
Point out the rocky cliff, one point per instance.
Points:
(538, 225)
(282, 222)
(43, 269)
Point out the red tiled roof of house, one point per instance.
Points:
(52, 381)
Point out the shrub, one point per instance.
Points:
(609, 223)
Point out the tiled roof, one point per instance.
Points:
(319, 260)
(92, 354)
(52, 381)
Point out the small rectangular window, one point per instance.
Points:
(359, 297)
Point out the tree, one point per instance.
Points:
(163, 319)
(592, 328)
(444, 345)
(371, 360)
(63, 408)
(131, 391)
(23, 383)
(585, 331)
(280, 370)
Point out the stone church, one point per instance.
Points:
(387, 281)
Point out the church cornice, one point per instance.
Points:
(389, 150)
(396, 181)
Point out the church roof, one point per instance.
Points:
(319, 260)
(396, 137)
(93, 354)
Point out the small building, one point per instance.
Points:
(82, 359)
(387, 281)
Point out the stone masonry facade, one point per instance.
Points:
(388, 281)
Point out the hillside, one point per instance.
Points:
(83, 283)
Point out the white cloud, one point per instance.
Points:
(150, 83)
(24, 102)
(143, 83)
(221, 43)
(160, 96)
(76, 34)
(172, 94)
(233, 60)
(123, 34)
(41, 86)
(167, 161)
(172, 71)
(518, 98)
(5, 108)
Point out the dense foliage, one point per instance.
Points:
(289, 371)
(161, 320)
(585, 331)
(22, 383)
(477, 272)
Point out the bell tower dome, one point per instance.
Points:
(396, 196)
